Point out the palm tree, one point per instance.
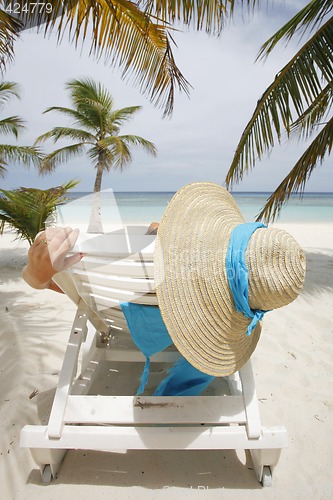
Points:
(137, 37)
(298, 101)
(99, 134)
(26, 209)
(13, 125)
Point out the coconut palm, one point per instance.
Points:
(138, 38)
(298, 101)
(99, 133)
(26, 210)
(13, 125)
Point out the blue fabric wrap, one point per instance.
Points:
(237, 271)
(150, 335)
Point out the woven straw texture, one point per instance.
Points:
(191, 280)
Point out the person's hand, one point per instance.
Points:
(48, 255)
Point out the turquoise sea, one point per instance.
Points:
(144, 207)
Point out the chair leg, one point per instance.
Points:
(264, 462)
(49, 461)
(68, 372)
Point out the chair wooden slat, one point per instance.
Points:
(118, 282)
(124, 267)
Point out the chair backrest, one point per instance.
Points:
(117, 267)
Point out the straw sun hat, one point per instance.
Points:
(191, 277)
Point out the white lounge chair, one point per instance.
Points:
(119, 267)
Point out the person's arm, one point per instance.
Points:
(152, 229)
(48, 256)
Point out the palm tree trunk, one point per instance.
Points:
(98, 178)
(95, 222)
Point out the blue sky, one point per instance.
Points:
(198, 141)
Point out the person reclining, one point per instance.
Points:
(48, 255)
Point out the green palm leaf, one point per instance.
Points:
(119, 149)
(117, 155)
(24, 155)
(81, 119)
(308, 122)
(131, 140)
(27, 209)
(8, 90)
(11, 125)
(298, 101)
(206, 14)
(135, 140)
(75, 134)
(87, 92)
(9, 31)
(298, 84)
(307, 18)
(300, 173)
(61, 155)
(119, 116)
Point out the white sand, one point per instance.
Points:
(294, 378)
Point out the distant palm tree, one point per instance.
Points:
(99, 133)
(298, 101)
(13, 125)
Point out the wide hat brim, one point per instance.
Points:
(191, 280)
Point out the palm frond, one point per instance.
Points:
(27, 209)
(24, 155)
(93, 154)
(125, 36)
(120, 155)
(135, 140)
(3, 169)
(11, 125)
(107, 158)
(300, 173)
(92, 103)
(117, 149)
(79, 118)
(101, 159)
(95, 114)
(75, 134)
(119, 116)
(308, 122)
(9, 32)
(8, 89)
(87, 92)
(117, 154)
(308, 18)
(141, 48)
(202, 14)
(59, 156)
(298, 84)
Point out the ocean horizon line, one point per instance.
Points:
(136, 206)
(327, 193)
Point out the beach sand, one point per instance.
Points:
(294, 380)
